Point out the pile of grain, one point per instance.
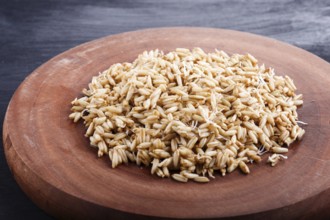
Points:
(190, 113)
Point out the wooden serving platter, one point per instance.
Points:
(52, 162)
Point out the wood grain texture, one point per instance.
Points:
(34, 31)
(54, 165)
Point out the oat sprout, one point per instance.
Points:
(262, 150)
(301, 122)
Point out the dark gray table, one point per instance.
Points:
(31, 32)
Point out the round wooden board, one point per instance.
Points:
(55, 166)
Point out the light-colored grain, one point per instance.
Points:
(201, 179)
(179, 178)
(245, 169)
(189, 175)
(280, 150)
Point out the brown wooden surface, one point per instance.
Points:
(53, 163)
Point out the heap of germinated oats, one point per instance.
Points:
(190, 113)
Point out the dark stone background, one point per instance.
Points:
(31, 32)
